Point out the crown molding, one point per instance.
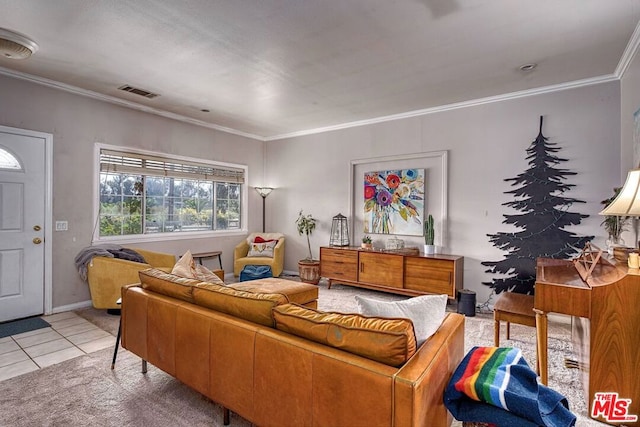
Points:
(629, 53)
(123, 102)
(465, 104)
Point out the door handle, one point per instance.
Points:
(37, 240)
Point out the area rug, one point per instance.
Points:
(21, 326)
(86, 392)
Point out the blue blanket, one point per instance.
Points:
(496, 385)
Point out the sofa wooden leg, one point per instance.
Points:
(144, 366)
(225, 416)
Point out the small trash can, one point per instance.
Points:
(467, 302)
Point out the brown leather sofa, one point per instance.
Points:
(207, 337)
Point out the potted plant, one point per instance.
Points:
(614, 225)
(429, 247)
(308, 268)
(366, 242)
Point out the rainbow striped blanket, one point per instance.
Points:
(496, 385)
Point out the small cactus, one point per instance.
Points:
(428, 230)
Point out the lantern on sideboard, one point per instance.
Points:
(339, 231)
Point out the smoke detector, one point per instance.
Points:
(16, 46)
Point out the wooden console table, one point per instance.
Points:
(390, 271)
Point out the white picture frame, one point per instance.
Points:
(435, 164)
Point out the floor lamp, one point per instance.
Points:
(264, 192)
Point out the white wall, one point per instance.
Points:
(486, 145)
(77, 123)
(630, 103)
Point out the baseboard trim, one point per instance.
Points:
(71, 307)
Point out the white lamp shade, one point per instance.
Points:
(264, 191)
(627, 203)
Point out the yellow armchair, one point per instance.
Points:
(240, 258)
(107, 275)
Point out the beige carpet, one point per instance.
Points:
(86, 392)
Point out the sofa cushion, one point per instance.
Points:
(187, 267)
(425, 311)
(252, 306)
(389, 341)
(296, 292)
(167, 284)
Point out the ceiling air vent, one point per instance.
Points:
(138, 91)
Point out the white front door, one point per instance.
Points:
(22, 225)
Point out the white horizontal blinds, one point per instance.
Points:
(145, 164)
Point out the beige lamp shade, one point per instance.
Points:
(627, 203)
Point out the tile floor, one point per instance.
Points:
(69, 336)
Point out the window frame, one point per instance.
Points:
(155, 237)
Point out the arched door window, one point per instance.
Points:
(8, 161)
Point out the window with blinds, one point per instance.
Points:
(149, 194)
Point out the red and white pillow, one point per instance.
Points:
(262, 248)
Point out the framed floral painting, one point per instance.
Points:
(394, 201)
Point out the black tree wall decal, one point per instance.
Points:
(545, 214)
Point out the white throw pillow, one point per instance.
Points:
(262, 249)
(426, 312)
(187, 267)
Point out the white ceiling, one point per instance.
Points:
(275, 68)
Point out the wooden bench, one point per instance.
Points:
(512, 307)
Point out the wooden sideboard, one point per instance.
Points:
(394, 272)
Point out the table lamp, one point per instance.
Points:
(627, 202)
